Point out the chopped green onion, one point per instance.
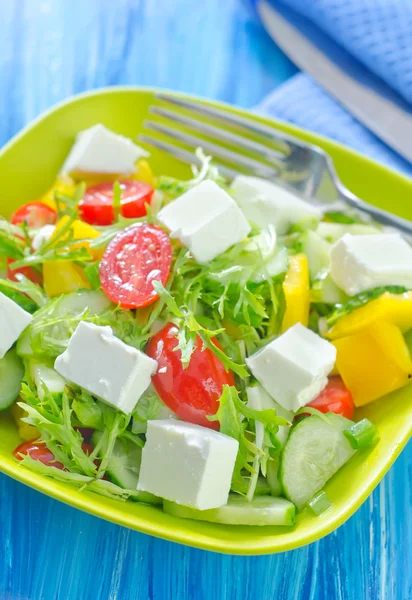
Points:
(362, 434)
(319, 503)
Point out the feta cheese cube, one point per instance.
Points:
(264, 202)
(105, 366)
(188, 464)
(206, 220)
(363, 262)
(294, 367)
(42, 236)
(99, 150)
(13, 321)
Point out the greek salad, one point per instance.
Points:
(200, 345)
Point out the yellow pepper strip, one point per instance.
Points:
(393, 308)
(26, 432)
(63, 277)
(144, 173)
(296, 289)
(64, 186)
(373, 362)
(82, 231)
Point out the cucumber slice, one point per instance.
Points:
(23, 346)
(43, 373)
(325, 290)
(317, 252)
(11, 376)
(315, 450)
(272, 475)
(70, 304)
(332, 232)
(124, 466)
(263, 510)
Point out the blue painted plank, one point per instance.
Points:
(50, 49)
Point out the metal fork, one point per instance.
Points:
(252, 148)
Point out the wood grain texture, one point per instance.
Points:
(49, 50)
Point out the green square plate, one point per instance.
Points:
(28, 166)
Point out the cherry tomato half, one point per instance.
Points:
(35, 214)
(192, 393)
(39, 451)
(96, 206)
(134, 259)
(335, 398)
(28, 272)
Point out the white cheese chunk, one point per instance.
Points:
(99, 150)
(206, 220)
(188, 464)
(42, 236)
(294, 367)
(264, 202)
(364, 262)
(13, 321)
(105, 366)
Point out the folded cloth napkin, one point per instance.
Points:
(376, 32)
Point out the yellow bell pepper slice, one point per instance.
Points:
(144, 173)
(393, 308)
(296, 289)
(25, 430)
(63, 185)
(82, 231)
(63, 277)
(373, 362)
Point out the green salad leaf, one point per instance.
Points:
(237, 420)
(361, 299)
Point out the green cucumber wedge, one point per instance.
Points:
(75, 303)
(315, 450)
(11, 375)
(263, 510)
(124, 466)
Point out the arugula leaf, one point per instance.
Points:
(361, 300)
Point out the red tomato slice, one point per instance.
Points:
(96, 207)
(134, 259)
(28, 272)
(36, 215)
(39, 451)
(192, 393)
(335, 398)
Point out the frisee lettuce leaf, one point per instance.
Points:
(173, 188)
(238, 421)
(24, 292)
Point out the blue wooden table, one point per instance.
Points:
(50, 49)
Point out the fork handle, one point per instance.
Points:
(378, 214)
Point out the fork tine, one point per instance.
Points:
(185, 156)
(250, 164)
(269, 154)
(273, 134)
